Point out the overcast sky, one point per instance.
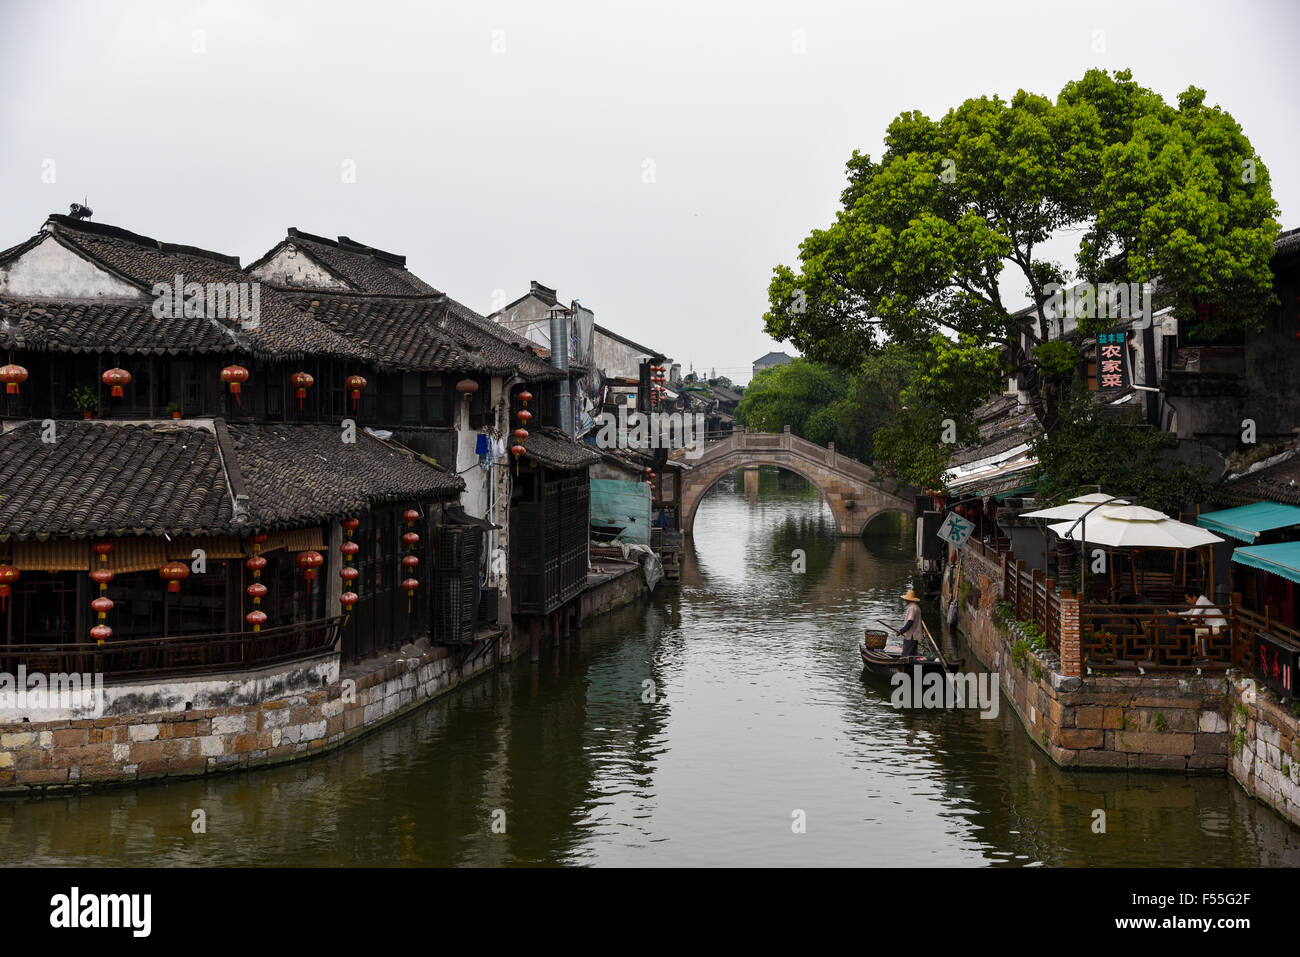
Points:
(654, 160)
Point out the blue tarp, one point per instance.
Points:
(1247, 522)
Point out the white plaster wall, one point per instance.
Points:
(50, 269)
(172, 694)
(614, 358)
(292, 267)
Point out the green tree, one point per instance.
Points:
(958, 208)
(792, 394)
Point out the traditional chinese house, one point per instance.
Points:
(205, 453)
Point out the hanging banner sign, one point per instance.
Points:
(955, 530)
(1112, 372)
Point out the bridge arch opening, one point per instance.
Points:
(845, 522)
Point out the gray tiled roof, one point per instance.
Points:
(103, 479)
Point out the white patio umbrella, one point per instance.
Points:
(1136, 527)
(1075, 507)
(1133, 526)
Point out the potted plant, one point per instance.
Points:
(175, 409)
(85, 400)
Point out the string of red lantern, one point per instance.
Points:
(255, 563)
(347, 572)
(256, 590)
(410, 561)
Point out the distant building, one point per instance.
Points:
(771, 359)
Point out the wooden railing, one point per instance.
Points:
(1153, 637)
(1033, 597)
(184, 654)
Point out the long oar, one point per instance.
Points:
(935, 645)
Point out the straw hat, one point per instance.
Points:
(910, 596)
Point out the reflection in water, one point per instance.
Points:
(760, 710)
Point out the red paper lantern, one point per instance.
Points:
(349, 550)
(517, 450)
(355, 384)
(302, 381)
(411, 516)
(410, 584)
(525, 397)
(256, 618)
(521, 434)
(348, 599)
(103, 606)
(102, 576)
(524, 416)
(309, 562)
(8, 575)
(256, 591)
(410, 540)
(101, 633)
(11, 375)
(116, 378)
(102, 549)
(255, 565)
(174, 573)
(234, 376)
(350, 525)
(410, 561)
(466, 386)
(257, 541)
(349, 574)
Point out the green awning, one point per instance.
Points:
(1247, 522)
(1280, 559)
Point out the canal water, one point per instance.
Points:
(703, 727)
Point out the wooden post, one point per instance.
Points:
(535, 639)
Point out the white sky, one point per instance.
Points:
(488, 169)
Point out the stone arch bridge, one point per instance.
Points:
(855, 494)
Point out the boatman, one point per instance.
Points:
(911, 630)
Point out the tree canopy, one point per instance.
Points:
(955, 215)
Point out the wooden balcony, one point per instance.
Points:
(188, 655)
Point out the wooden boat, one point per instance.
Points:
(884, 663)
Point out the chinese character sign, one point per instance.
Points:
(955, 530)
(1111, 371)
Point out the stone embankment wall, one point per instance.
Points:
(1212, 723)
(1145, 722)
(1264, 747)
(141, 746)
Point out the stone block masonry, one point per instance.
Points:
(124, 748)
